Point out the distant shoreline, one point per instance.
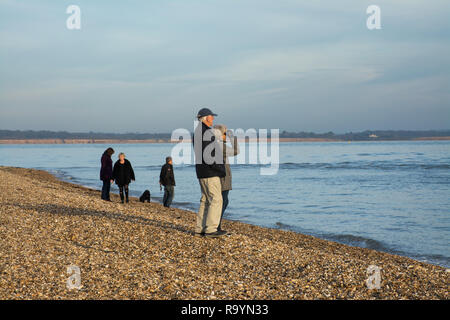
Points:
(148, 141)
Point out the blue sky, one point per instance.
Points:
(148, 66)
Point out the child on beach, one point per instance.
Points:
(123, 174)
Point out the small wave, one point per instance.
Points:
(348, 239)
(357, 241)
(434, 259)
(352, 165)
(359, 165)
(148, 167)
(78, 168)
(63, 175)
(283, 225)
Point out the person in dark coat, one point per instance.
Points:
(205, 168)
(106, 171)
(123, 174)
(167, 179)
(209, 168)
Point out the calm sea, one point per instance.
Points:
(388, 196)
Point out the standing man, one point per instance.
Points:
(209, 168)
(167, 179)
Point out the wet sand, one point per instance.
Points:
(146, 251)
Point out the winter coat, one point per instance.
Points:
(229, 152)
(204, 170)
(123, 173)
(166, 177)
(106, 170)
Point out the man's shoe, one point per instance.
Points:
(199, 234)
(216, 234)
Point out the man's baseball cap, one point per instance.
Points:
(205, 112)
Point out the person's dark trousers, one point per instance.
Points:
(121, 189)
(169, 192)
(106, 189)
(224, 206)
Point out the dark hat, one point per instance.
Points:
(205, 112)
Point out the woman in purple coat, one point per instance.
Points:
(106, 173)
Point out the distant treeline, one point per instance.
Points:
(30, 134)
(355, 136)
(370, 135)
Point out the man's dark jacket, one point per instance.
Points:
(166, 177)
(107, 167)
(203, 169)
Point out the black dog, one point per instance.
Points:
(145, 196)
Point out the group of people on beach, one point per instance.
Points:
(213, 174)
(122, 174)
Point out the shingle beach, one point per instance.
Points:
(146, 251)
